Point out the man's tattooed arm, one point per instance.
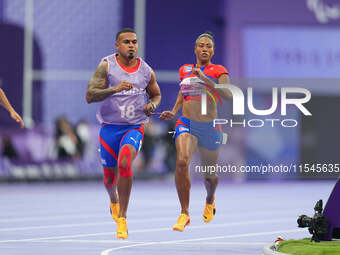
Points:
(96, 90)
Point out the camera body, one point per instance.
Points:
(317, 225)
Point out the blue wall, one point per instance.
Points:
(1, 9)
(171, 30)
(173, 26)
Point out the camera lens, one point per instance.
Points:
(304, 221)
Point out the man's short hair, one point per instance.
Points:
(125, 30)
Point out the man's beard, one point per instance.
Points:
(130, 56)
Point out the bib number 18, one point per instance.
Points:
(127, 112)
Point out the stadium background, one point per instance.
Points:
(49, 50)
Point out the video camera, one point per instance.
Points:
(317, 225)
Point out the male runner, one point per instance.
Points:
(128, 91)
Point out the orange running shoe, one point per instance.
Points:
(122, 231)
(182, 222)
(209, 212)
(114, 210)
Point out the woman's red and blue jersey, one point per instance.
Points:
(192, 87)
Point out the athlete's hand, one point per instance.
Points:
(17, 118)
(167, 115)
(198, 72)
(148, 109)
(124, 85)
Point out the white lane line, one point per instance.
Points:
(227, 243)
(218, 225)
(160, 212)
(56, 226)
(104, 213)
(55, 237)
(79, 224)
(130, 221)
(108, 251)
(59, 217)
(113, 241)
(205, 226)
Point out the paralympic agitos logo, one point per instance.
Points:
(239, 106)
